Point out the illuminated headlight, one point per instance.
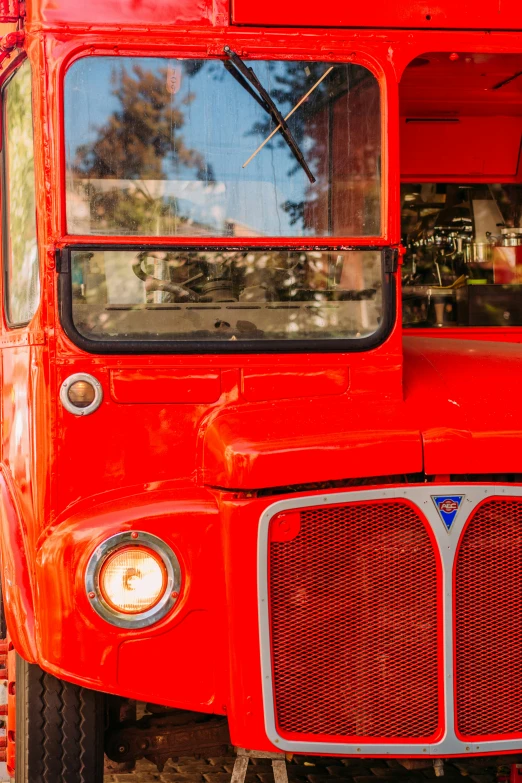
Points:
(133, 579)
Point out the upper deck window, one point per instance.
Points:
(157, 147)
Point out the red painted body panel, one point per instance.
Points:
(141, 384)
(489, 334)
(488, 14)
(187, 519)
(442, 151)
(16, 579)
(137, 14)
(308, 442)
(291, 382)
(173, 431)
(465, 432)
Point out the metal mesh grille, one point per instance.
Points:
(489, 622)
(354, 615)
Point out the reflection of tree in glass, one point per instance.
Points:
(24, 288)
(232, 275)
(140, 141)
(292, 80)
(313, 123)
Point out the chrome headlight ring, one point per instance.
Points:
(70, 406)
(166, 602)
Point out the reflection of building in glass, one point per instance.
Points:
(233, 228)
(349, 198)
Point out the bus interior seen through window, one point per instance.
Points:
(461, 197)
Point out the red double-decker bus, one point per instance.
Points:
(261, 432)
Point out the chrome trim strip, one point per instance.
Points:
(447, 541)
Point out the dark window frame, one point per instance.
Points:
(389, 261)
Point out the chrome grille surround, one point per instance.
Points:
(447, 542)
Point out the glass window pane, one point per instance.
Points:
(23, 284)
(463, 262)
(160, 294)
(158, 147)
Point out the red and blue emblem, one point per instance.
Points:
(448, 508)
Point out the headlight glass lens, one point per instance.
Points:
(81, 394)
(133, 579)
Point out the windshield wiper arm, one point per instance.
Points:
(245, 74)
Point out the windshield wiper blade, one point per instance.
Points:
(245, 74)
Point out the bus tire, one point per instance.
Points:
(59, 729)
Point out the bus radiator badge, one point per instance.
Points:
(448, 508)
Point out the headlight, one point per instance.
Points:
(133, 579)
(81, 394)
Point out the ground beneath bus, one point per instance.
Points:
(310, 770)
(315, 770)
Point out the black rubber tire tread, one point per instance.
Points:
(52, 707)
(59, 729)
(92, 738)
(72, 735)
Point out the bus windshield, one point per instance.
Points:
(165, 147)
